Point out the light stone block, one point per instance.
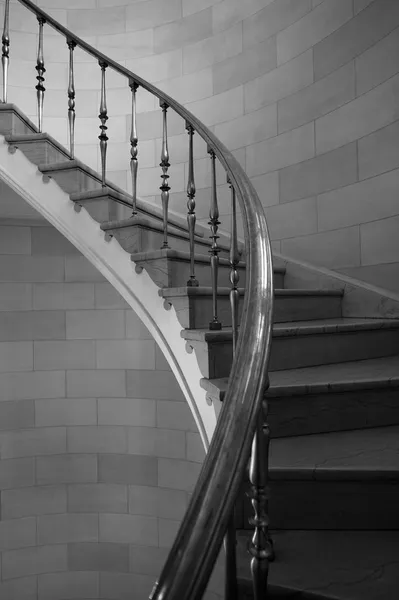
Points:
(229, 12)
(175, 415)
(65, 411)
(18, 414)
(126, 411)
(147, 561)
(53, 296)
(189, 87)
(15, 296)
(127, 529)
(178, 474)
(279, 83)
(91, 556)
(317, 99)
(313, 27)
(356, 36)
(33, 501)
(379, 241)
(157, 502)
(17, 473)
(97, 498)
(180, 33)
(15, 356)
(32, 385)
(24, 588)
(118, 156)
(150, 14)
(49, 241)
(328, 171)
(149, 124)
(292, 219)
(65, 354)
(267, 188)
(382, 275)
(67, 528)
(96, 384)
(361, 4)
(168, 529)
(57, 586)
(128, 469)
(101, 20)
(126, 354)
(78, 268)
(333, 249)
(124, 586)
(246, 66)
(32, 325)
(192, 6)
(32, 561)
(17, 533)
(123, 45)
(135, 329)
(31, 268)
(148, 179)
(15, 240)
(66, 469)
(161, 364)
(377, 64)
(87, 129)
(281, 151)
(106, 296)
(156, 442)
(220, 108)
(157, 385)
(275, 17)
(357, 203)
(91, 440)
(207, 52)
(95, 324)
(195, 448)
(33, 442)
(377, 151)
(359, 117)
(249, 129)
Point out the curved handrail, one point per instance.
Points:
(191, 559)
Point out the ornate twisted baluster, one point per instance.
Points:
(234, 260)
(214, 222)
(40, 75)
(133, 147)
(103, 127)
(261, 546)
(191, 218)
(5, 57)
(71, 99)
(165, 166)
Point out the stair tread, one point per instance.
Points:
(177, 255)
(347, 565)
(10, 106)
(37, 137)
(224, 291)
(317, 326)
(336, 377)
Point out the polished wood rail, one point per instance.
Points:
(241, 425)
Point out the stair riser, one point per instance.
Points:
(297, 351)
(41, 152)
(73, 181)
(100, 210)
(12, 124)
(345, 505)
(196, 312)
(328, 412)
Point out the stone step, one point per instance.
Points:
(337, 397)
(14, 122)
(170, 269)
(39, 148)
(301, 344)
(277, 592)
(345, 565)
(194, 305)
(347, 480)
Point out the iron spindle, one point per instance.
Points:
(40, 75)
(261, 546)
(234, 260)
(133, 147)
(5, 57)
(191, 218)
(164, 164)
(71, 99)
(214, 223)
(103, 127)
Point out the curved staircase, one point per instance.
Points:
(333, 401)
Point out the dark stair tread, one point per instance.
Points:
(346, 565)
(225, 291)
(171, 254)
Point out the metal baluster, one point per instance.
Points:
(191, 218)
(165, 166)
(214, 222)
(71, 99)
(261, 546)
(234, 260)
(103, 127)
(133, 149)
(40, 75)
(5, 57)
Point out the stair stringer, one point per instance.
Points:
(114, 263)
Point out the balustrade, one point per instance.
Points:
(71, 99)
(191, 218)
(133, 148)
(5, 56)
(40, 89)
